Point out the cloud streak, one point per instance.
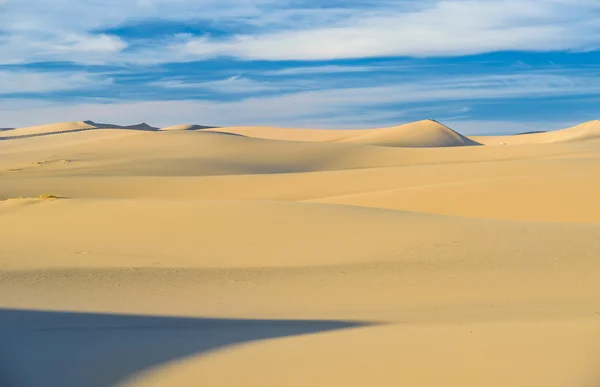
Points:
(443, 28)
(379, 105)
(270, 30)
(24, 82)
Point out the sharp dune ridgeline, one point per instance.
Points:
(185, 127)
(198, 255)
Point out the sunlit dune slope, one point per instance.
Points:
(421, 134)
(66, 127)
(185, 127)
(59, 127)
(427, 133)
(585, 131)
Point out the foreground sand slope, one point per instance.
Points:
(454, 292)
(178, 257)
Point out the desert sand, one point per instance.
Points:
(255, 256)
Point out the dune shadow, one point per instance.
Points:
(69, 349)
(531, 132)
(220, 133)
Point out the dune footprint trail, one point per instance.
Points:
(193, 255)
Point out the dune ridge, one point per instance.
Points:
(185, 127)
(140, 126)
(425, 133)
(67, 127)
(419, 134)
(56, 128)
(584, 131)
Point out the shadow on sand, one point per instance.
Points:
(68, 349)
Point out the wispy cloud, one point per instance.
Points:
(330, 69)
(286, 30)
(23, 82)
(440, 28)
(232, 85)
(380, 105)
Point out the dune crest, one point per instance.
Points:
(140, 126)
(585, 131)
(59, 127)
(67, 127)
(420, 134)
(185, 127)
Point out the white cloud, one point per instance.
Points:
(239, 84)
(289, 30)
(12, 82)
(339, 107)
(251, 112)
(67, 30)
(90, 43)
(59, 46)
(232, 85)
(442, 28)
(331, 69)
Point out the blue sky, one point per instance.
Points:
(487, 66)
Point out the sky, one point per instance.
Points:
(479, 66)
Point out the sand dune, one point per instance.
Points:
(141, 126)
(60, 127)
(286, 134)
(420, 134)
(67, 127)
(185, 127)
(298, 257)
(521, 183)
(585, 131)
(427, 133)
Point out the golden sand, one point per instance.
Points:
(404, 256)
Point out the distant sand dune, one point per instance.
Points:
(585, 131)
(67, 127)
(422, 134)
(287, 134)
(186, 127)
(141, 126)
(427, 133)
(60, 127)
